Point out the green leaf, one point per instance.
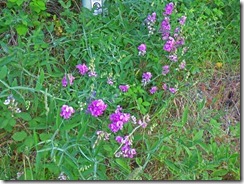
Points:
(12, 122)
(172, 166)
(3, 72)
(220, 172)
(145, 104)
(40, 80)
(19, 2)
(198, 136)
(107, 148)
(19, 136)
(123, 164)
(25, 116)
(45, 136)
(29, 141)
(185, 115)
(21, 29)
(4, 123)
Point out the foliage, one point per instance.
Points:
(186, 141)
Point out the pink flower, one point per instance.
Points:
(182, 65)
(146, 77)
(83, 69)
(65, 81)
(182, 20)
(97, 107)
(152, 18)
(165, 69)
(170, 45)
(153, 89)
(124, 88)
(169, 9)
(164, 86)
(66, 111)
(142, 49)
(118, 120)
(172, 90)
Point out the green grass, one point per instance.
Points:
(193, 134)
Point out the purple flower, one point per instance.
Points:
(92, 74)
(173, 58)
(118, 120)
(124, 88)
(182, 65)
(180, 41)
(146, 77)
(83, 69)
(165, 25)
(165, 35)
(66, 111)
(164, 86)
(119, 139)
(169, 9)
(97, 107)
(170, 45)
(165, 69)
(110, 81)
(126, 151)
(153, 89)
(142, 49)
(65, 81)
(152, 18)
(172, 90)
(182, 20)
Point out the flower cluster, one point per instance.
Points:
(165, 28)
(12, 105)
(172, 90)
(169, 9)
(143, 123)
(170, 45)
(66, 111)
(126, 151)
(146, 77)
(97, 107)
(153, 89)
(142, 49)
(150, 21)
(65, 81)
(165, 69)
(83, 69)
(118, 120)
(124, 88)
(101, 135)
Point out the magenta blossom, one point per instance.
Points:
(153, 89)
(172, 90)
(118, 120)
(126, 151)
(65, 81)
(165, 69)
(170, 45)
(164, 86)
(182, 20)
(182, 65)
(152, 18)
(169, 9)
(142, 49)
(83, 69)
(66, 111)
(146, 77)
(97, 107)
(173, 57)
(124, 88)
